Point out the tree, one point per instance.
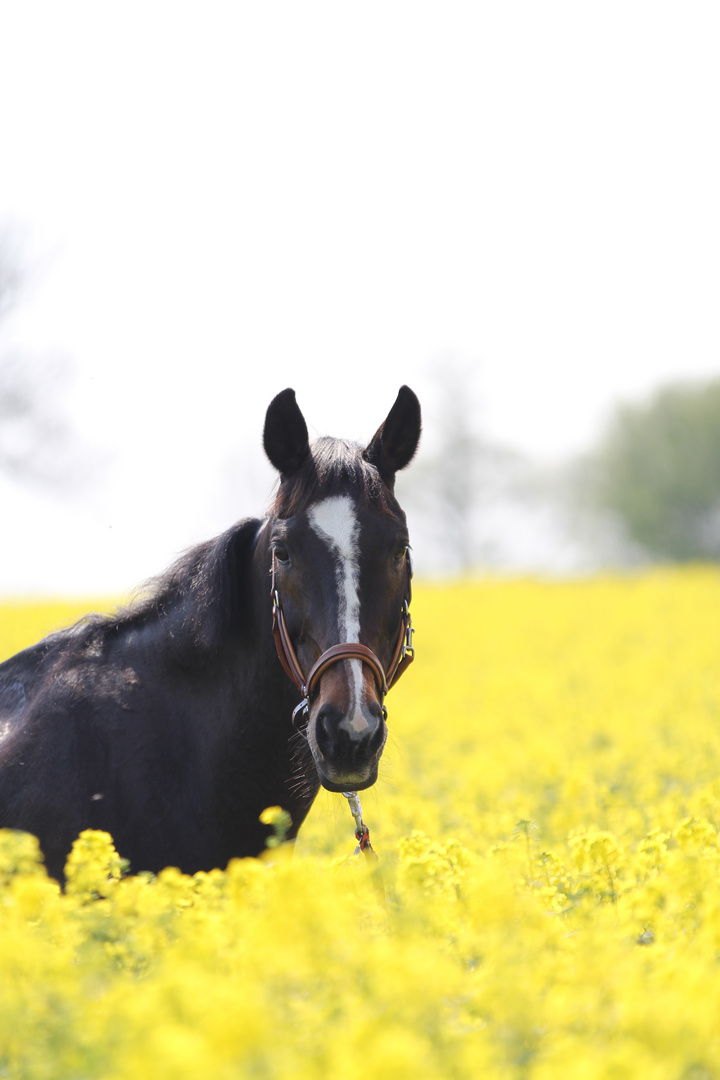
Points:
(11, 272)
(453, 490)
(37, 444)
(657, 472)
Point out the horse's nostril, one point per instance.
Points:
(376, 737)
(376, 710)
(327, 729)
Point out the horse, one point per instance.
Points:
(248, 675)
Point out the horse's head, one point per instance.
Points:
(341, 578)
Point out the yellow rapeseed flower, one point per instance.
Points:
(547, 822)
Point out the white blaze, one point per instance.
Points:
(335, 522)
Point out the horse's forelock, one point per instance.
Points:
(333, 467)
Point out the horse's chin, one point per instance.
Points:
(348, 784)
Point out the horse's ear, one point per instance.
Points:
(394, 444)
(286, 435)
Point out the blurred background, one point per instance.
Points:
(513, 208)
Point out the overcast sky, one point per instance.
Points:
(219, 200)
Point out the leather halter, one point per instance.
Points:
(402, 657)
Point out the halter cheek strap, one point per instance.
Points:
(402, 657)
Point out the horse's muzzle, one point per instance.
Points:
(347, 750)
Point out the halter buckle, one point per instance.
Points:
(303, 707)
(408, 648)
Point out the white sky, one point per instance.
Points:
(223, 199)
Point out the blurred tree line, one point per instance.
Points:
(655, 474)
(648, 491)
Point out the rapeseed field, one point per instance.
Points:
(547, 826)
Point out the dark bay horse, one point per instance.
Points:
(254, 671)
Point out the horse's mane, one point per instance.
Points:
(199, 598)
(333, 467)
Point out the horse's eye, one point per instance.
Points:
(400, 556)
(281, 554)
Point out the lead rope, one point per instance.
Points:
(362, 835)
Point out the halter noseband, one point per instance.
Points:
(403, 655)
